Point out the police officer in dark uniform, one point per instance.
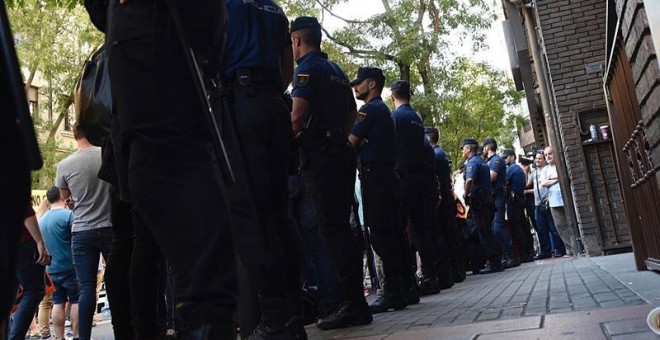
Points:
(323, 110)
(166, 143)
(415, 167)
(515, 203)
(375, 138)
(255, 70)
(446, 211)
(497, 177)
(478, 196)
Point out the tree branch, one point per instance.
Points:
(327, 9)
(359, 52)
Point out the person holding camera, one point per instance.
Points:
(479, 197)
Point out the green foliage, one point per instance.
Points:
(45, 178)
(53, 39)
(478, 102)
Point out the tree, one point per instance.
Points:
(53, 39)
(478, 102)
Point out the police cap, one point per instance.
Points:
(525, 161)
(490, 141)
(369, 72)
(430, 130)
(305, 22)
(508, 152)
(400, 85)
(469, 141)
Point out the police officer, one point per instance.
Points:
(446, 212)
(375, 138)
(255, 70)
(165, 140)
(323, 108)
(497, 177)
(415, 167)
(515, 203)
(478, 196)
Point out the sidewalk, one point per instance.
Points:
(583, 298)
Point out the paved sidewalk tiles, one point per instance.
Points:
(529, 292)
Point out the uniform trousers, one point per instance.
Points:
(167, 168)
(382, 214)
(482, 210)
(499, 229)
(329, 175)
(516, 213)
(419, 198)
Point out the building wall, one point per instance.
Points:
(573, 33)
(645, 70)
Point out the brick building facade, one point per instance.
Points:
(632, 85)
(571, 39)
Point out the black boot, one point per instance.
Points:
(493, 266)
(208, 331)
(410, 290)
(349, 314)
(275, 317)
(296, 323)
(386, 302)
(429, 286)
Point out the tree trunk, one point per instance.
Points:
(60, 118)
(30, 78)
(404, 71)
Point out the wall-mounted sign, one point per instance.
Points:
(596, 67)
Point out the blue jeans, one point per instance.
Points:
(86, 247)
(30, 275)
(499, 229)
(547, 232)
(66, 287)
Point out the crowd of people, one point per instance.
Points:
(270, 224)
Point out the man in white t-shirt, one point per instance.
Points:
(549, 240)
(556, 202)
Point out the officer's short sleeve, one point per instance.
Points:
(495, 165)
(471, 170)
(304, 82)
(509, 174)
(364, 122)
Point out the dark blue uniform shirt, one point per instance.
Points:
(497, 165)
(257, 32)
(375, 124)
(515, 179)
(409, 138)
(478, 170)
(325, 86)
(442, 168)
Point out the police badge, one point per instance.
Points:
(302, 79)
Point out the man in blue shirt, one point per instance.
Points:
(497, 177)
(55, 226)
(323, 108)
(515, 204)
(419, 191)
(375, 138)
(478, 196)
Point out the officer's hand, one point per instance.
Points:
(44, 257)
(123, 2)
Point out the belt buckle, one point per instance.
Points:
(244, 77)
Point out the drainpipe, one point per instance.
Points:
(551, 118)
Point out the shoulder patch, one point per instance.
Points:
(497, 163)
(468, 169)
(302, 79)
(361, 116)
